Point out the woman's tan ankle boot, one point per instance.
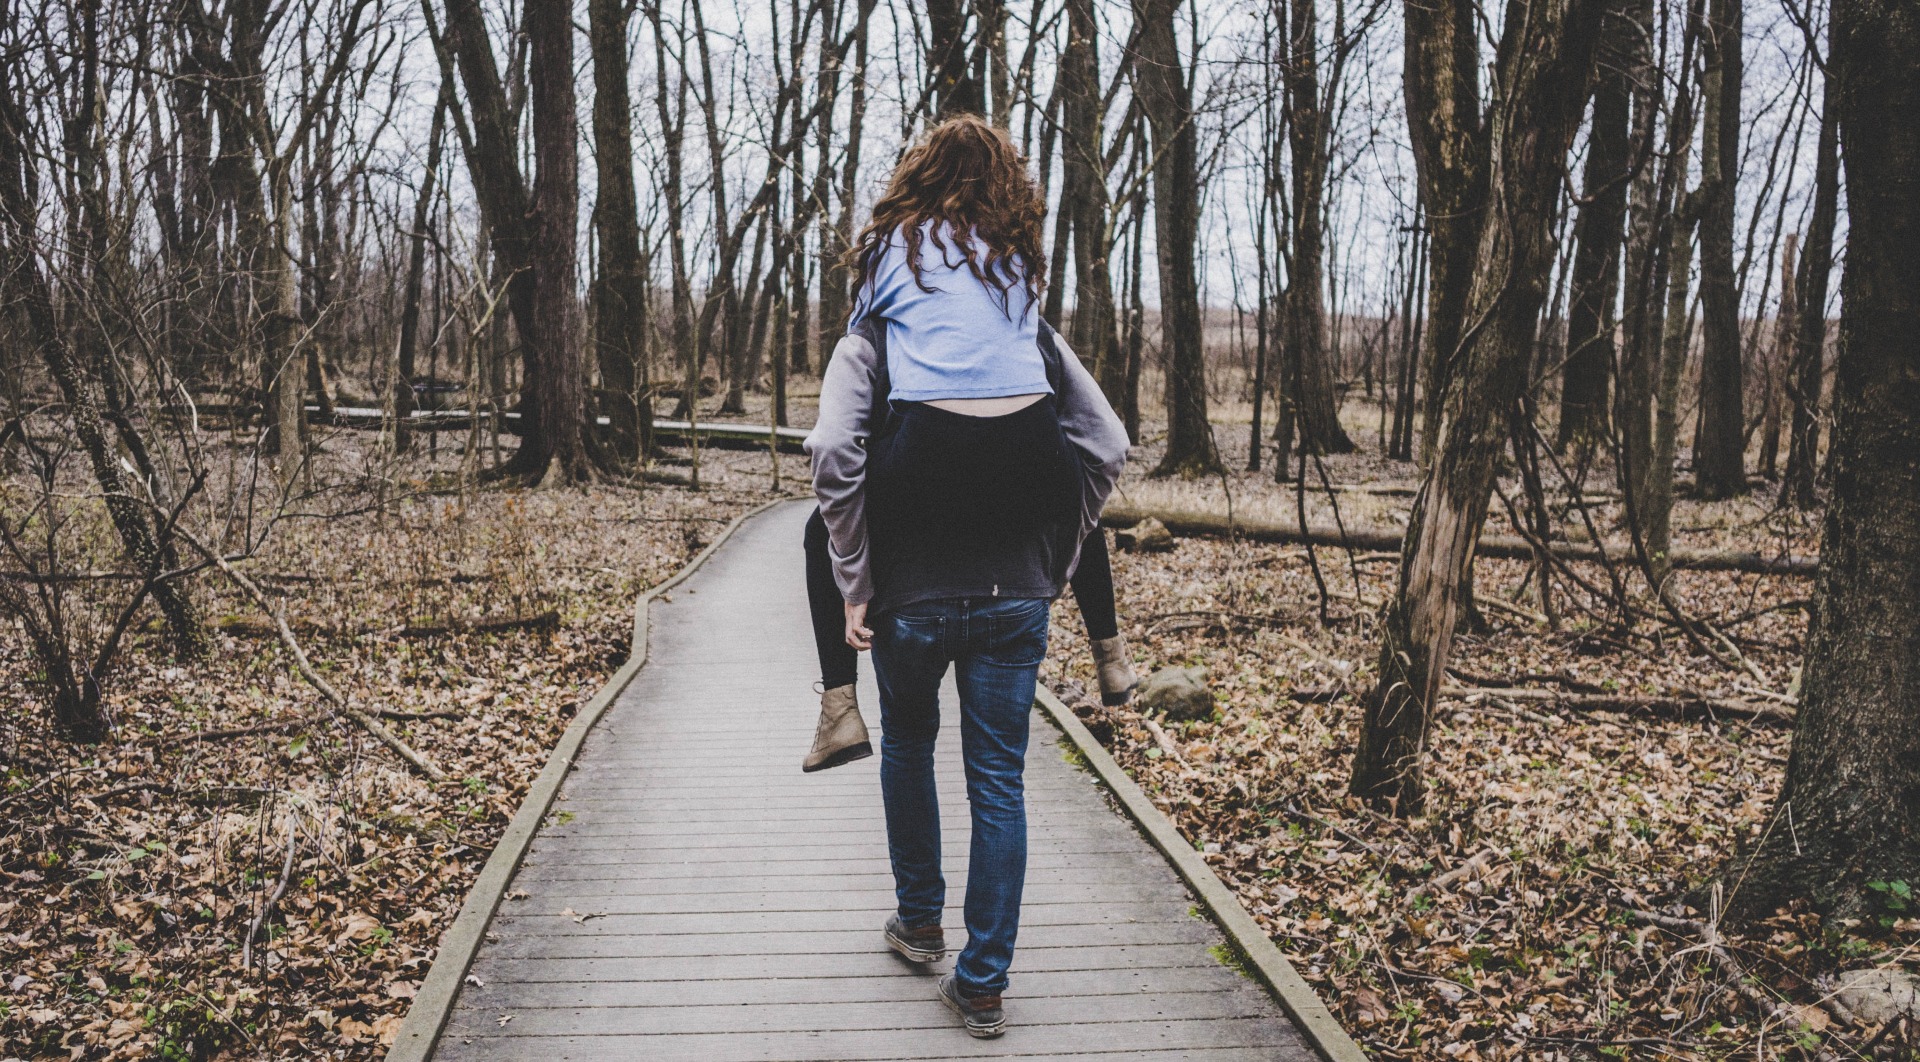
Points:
(1115, 668)
(841, 736)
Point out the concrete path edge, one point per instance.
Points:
(1309, 1013)
(433, 1003)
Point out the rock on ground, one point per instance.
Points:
(1179, 693)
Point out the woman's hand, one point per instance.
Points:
(858, 635)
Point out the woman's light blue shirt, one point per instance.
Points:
(956, 341)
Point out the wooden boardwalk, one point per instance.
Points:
(693, 896)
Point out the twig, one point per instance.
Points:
(1167, 747)
(279, 889)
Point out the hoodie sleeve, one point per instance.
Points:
(837, 448)
(1095, 430)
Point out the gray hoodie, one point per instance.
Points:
(837, 447)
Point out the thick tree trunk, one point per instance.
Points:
(620, 295)
(1807, 376)
(554, 410)
(1307, 375)
(1598, 233)
(1642, 277)
(500, 187)
(1544, 64)
(1449, 141)
(1167, 99)
(1849, 814)
(1719, 444)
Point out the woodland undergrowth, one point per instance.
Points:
(1558, 899)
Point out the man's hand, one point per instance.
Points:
(858, 635)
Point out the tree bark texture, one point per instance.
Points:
(1307, 372)
(1849, 813)
(1085, 206)
(620, 293)
(1598, 232)
(1449, 141)
(553, 409)
(1807, 376)
(1641, 273)
(1166, 97)
(1719, 443)
(1544, 62)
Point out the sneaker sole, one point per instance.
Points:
(911, 953)
(846, 755)
(978, 1032)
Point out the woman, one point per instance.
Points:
(956, 518)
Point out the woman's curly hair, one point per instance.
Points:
(968, 175)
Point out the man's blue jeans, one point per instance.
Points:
(995, 645)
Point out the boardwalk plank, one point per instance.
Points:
(693, 896)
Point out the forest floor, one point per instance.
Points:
(1557, 900)
(241, 873)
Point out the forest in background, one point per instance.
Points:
(362, 359)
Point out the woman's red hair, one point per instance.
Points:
(968, 175)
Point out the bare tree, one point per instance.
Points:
(1845, 817)
(1166, 97)
(1807, 372)
(1719, 446)
(1306, 375)
(1599, 232)
(1544, 62)
(620, 291)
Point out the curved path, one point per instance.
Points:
(693, 896)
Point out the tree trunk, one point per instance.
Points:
(954, 86)
(620, 296)
(1544, 64)
(1598, 233)
(1307, 376)
(1719, 444)
(1849, 814)
(1449, 141)
(1666, 419)
(1167, 99)
(1094, 334)
(1784, 328)
(1807, 376)
(403, 400)
(553, 411)
(1642, 289)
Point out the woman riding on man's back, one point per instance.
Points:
(961, 459)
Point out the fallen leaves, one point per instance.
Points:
(130, 872)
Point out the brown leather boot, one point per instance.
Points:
(1115, 668)
(841, 736)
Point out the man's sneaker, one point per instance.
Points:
(926, 944)
(841, 735)
(981, 1014)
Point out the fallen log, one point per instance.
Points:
(1688, 707)
(1197, 522)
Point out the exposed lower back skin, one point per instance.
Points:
(985, 407)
